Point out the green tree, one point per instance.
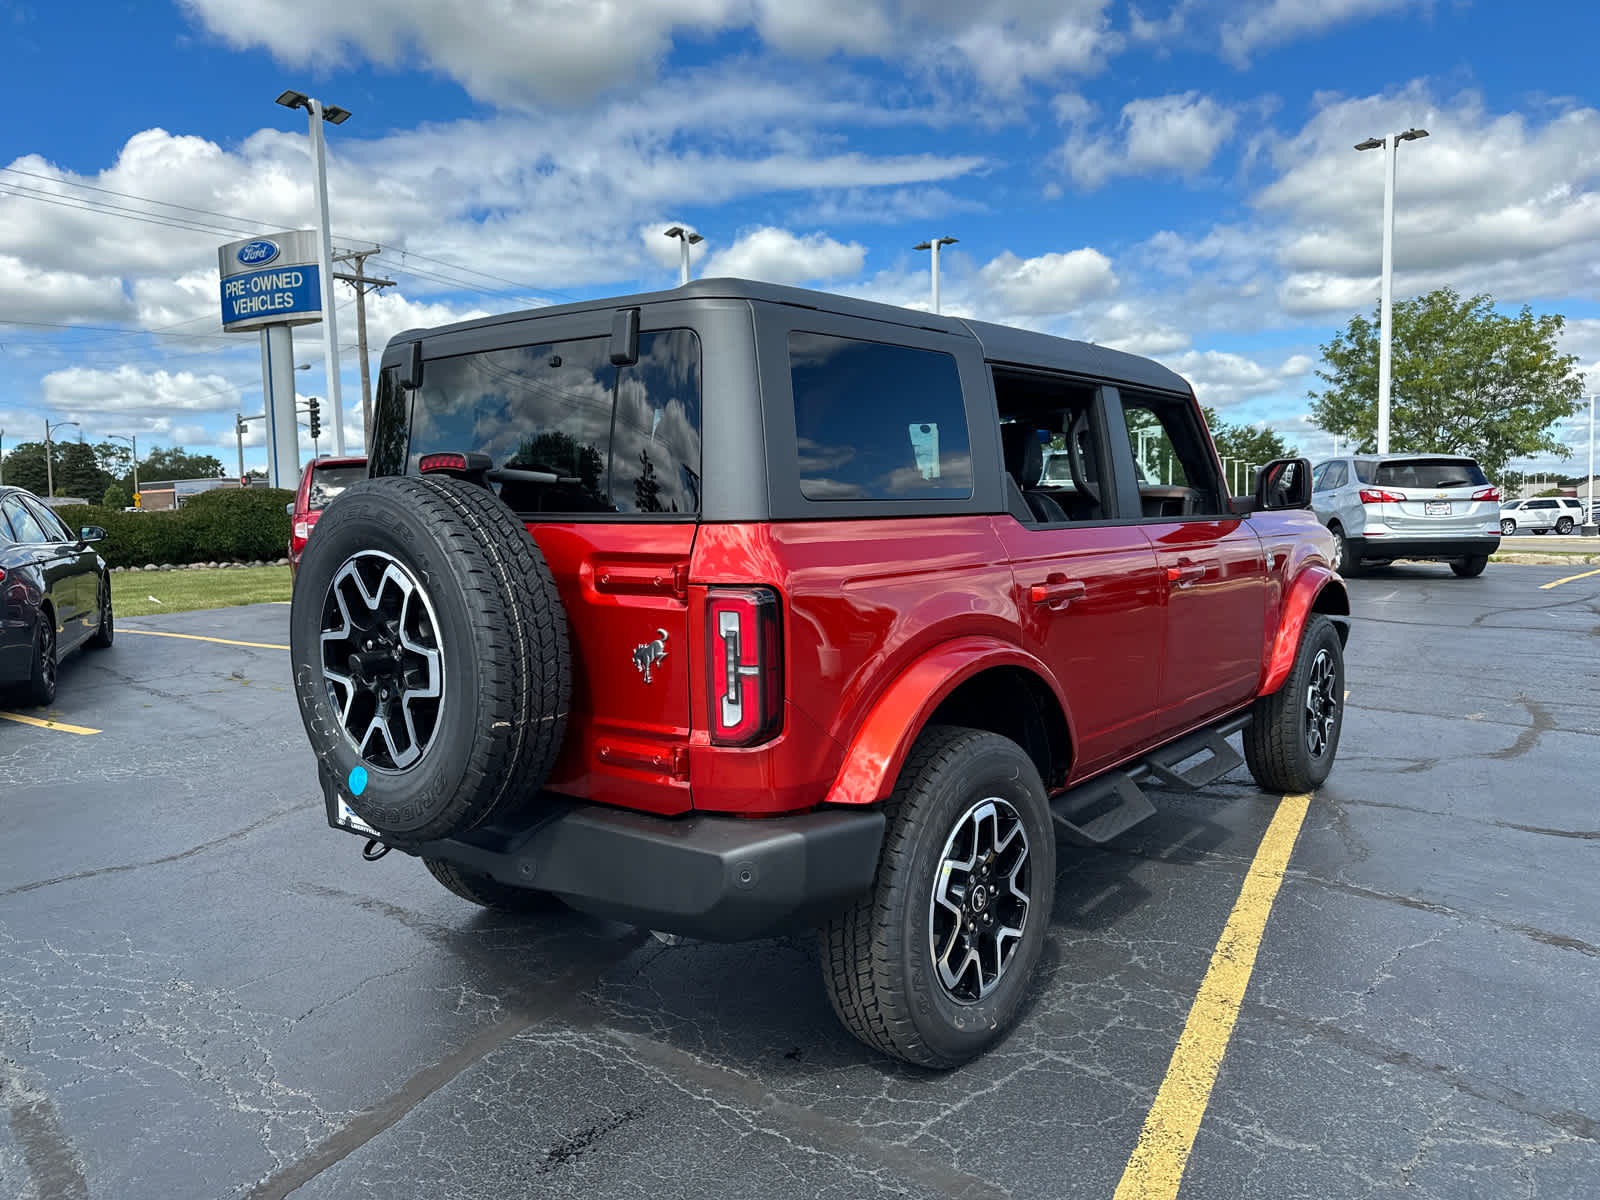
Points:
(115, 497)
(24, 467)
(1465, 380)
(1247, 442)
(177, 463)
(77, 471)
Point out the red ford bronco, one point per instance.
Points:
(741, 608)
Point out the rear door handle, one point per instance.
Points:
(1186, 572)
(1057, 591)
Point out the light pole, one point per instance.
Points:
(1591, 513)
(1390, 145)
(686, 238)
(2, 458)
(49, 456)
(334, 115)
(133, 440)
(934, 244)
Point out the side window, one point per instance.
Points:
(1318, 474)
(1177, 476)
(1338, 475)
(24, 527)
(55, 529)
(877, 422)
(391, 424)
(1052, 453)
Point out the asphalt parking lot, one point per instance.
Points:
(205, 992)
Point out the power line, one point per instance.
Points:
(144, 199)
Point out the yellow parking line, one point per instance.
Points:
(1156, 1166)
(195, 637)
(43, 724)
(1545, 587)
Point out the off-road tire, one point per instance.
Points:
(1470, 567)
(489, 892)
(106, 633)
(502, 645)
(40, 688)
(877, 965)
(1276, 740)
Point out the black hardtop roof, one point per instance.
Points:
(1000, 343)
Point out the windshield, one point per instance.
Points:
(328, 482)
(1429, 473)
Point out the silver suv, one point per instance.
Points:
(1540, 514)
(1386, 506)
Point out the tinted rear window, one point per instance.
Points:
(328, 482)
(878, 422)
(1429, 473)
(623, 439)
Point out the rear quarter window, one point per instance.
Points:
(875, 421)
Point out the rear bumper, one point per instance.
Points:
(718, 878)
(1442, 547)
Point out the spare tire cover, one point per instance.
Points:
(431, 658)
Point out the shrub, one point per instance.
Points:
(225, 525)
(115, 497)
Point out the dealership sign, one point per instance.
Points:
(270, 281)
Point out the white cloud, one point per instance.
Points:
(1223, 379)
(89, 392)
(667, 252)
(31, 292)
(1050, 283)
(1180, 133)
(778, 256)
(1275, 22)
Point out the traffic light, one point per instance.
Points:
(315, 409)
(239, 421)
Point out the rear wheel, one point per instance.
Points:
(1564, 525)
(1468, 568)
(933, 965)
(489, 892)
(1293, 737)
(41, 687)
(106, 632)
(1507, 527)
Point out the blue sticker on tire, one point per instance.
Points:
(357, 781)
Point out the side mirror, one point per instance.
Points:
(411, 368)
(91, 533)
(1284, 483)
(288, 509)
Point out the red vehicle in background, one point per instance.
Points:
(322, 480)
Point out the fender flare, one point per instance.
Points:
(1297, 608)
(881, 743)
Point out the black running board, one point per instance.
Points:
(1108, 805)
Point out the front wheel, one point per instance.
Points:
(1564, 525)
(1507, 527)
(1470, 567)
(932, 966)
(1293, 736)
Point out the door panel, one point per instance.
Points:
(1215, 576)
(1096, 622)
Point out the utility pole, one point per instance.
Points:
(1591, 510)
(362, 282)
(238, 432)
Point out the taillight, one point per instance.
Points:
(442, 462)
(302, 530)
(1379, 496)
(1487, 493)
(744, 666)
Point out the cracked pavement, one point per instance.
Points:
(205, 992)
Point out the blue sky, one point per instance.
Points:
(1173, 178)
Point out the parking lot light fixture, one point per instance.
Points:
(686, 238)
(49, 456)
(1389, 144)
(1591, 509)
(934, 244)
(133, 440)
(334, 115)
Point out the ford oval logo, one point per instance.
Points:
(257, 253)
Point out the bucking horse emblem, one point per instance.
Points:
(651, 655)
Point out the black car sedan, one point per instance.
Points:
(55, 594)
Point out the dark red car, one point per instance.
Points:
(320, 482)
(738, 608)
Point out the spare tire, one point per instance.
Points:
(431, 660)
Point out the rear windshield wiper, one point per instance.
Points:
(518, 475)
(1454, 483)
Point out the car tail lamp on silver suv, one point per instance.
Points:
(1379, 496)
(1487, 493)
(744, 666)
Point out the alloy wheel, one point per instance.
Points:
(1507, 528)
(980, 903)
(382, 660)
(1322, 704)
(1338, 551)
(47, 651)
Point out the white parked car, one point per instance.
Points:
(1540, 514)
